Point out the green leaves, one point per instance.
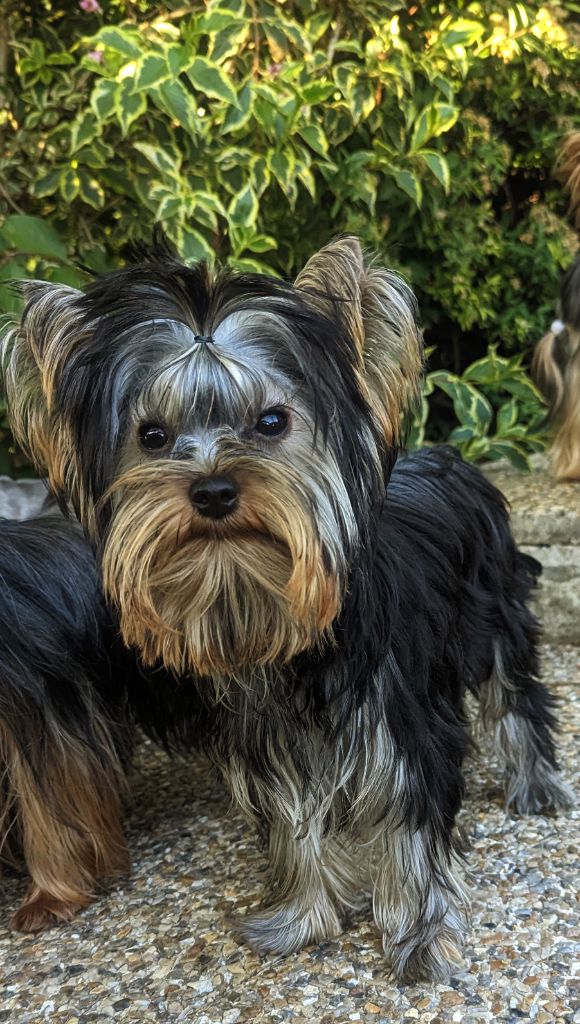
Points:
(129, 105)
(175, 101)
(124, 40)
(211, 80)
(83, 130)
(461, 32)
(32, 235)
(438, 166)
(433, 121)
(104, 99)
(243, 208)
(489, 426)
(150, 70)
(409, 183)
(258, 130)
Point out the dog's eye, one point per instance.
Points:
(153, 437)
(272, 423)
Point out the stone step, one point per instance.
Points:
(545, 517)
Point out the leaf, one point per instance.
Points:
(179, 104)
(316, 92)
(464, 433)
(121, 40)
(229, 42)
(433, 121)
(237, 117)
(31, 234)
(169, 206)
(59, 59)
(261, 243)
(315, 138)
(305, 175)
(178, 57)
(83, 130)
(90, 190)
(97, 155)
(507, 416)
(104, 98)
(261, 175)
(514, 453)
(150, 70)
(72, 276)
(211, 80)
(438, 166)
(470, 405)
(243, 208)
(283, 167)
(69, 185)
(193, 245)
(158, 157)
(461, 33)
(129, 106)
(218, 19)
(48, 184)
(408, 182)
(204, 208)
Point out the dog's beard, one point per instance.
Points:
(212, 598)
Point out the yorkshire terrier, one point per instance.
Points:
(556, 364)
(228, 442)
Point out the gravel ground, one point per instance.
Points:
(161, 947)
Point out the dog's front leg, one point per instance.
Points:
(419, 902)
(309, 874)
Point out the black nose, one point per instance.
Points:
(214, 496)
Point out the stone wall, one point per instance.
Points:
(545, 518)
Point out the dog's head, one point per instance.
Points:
(224, 438)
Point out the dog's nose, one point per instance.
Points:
(214, 496)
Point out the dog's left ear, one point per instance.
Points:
(33, 352)
(380, 313)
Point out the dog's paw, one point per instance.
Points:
(41, 911)
(540, 792)
(286, 928)
(434, 960)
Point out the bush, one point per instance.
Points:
(255, 130)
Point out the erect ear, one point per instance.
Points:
(32, 352)
(379, 311)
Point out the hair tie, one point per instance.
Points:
(205, 338)
(557, 327)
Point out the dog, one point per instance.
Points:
(556, 362)
(65, 737)
(306, 607)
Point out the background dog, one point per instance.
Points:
(556, 363)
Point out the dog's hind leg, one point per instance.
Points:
(518, 710)
(67, 823)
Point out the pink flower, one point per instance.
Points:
(91, 6)
(96, 55)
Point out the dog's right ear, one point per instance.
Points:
(33, 352)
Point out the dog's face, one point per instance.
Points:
(225, 440)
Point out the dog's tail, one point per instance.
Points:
(556, 368)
